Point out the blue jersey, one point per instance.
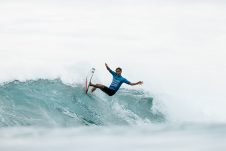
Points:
(117, 81)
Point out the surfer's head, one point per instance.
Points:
(118, 71)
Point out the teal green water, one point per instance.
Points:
(48, 103)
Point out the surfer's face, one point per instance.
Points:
(118, 71)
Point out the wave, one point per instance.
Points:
(46, 102)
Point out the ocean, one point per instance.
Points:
(177, 48)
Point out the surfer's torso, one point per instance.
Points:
(117, 81)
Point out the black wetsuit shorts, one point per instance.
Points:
(108, 91)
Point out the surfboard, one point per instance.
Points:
(88, 79)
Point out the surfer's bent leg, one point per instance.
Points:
(103, 88)
(95, 86)
(100, 86)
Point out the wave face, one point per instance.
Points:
(53, 103)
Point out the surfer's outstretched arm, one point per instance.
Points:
(140, 82)
(107, 67)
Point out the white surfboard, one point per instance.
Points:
(88, 79)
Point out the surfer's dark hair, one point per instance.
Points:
(119, 69)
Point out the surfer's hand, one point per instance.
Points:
(140, 82)
(107, 66)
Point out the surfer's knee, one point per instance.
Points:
(100, 86)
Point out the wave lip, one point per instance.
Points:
(50, 103)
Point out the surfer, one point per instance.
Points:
(117, 81)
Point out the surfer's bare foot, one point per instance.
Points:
(93, 89)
